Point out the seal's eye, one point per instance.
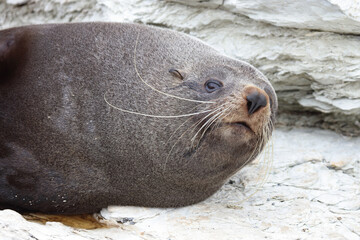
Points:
(213, 85)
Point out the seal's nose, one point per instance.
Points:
(255, 101)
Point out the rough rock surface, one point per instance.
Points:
(309, 49)
(312, 192)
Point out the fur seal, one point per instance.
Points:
(98, 114)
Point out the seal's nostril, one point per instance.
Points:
(256, 100)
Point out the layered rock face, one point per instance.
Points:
(309, 49)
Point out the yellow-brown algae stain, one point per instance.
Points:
(83, 221)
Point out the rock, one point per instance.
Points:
(17, 2)
(340, 16)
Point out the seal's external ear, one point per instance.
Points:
(176, 73)
(7, 43)
(12, 54)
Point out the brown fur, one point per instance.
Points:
(63, 149)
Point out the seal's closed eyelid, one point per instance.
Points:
(176, 73)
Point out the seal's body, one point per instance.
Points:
(97, 114)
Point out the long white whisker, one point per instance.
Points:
(154, 116)
(178, 129)
(193, 138)
(202, 119)
(191, 128)
(213, 121)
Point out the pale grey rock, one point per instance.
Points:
(292, 192)
(17, 2)
(202, 3)
(341, 16)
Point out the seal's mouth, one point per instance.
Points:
(242, 125)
